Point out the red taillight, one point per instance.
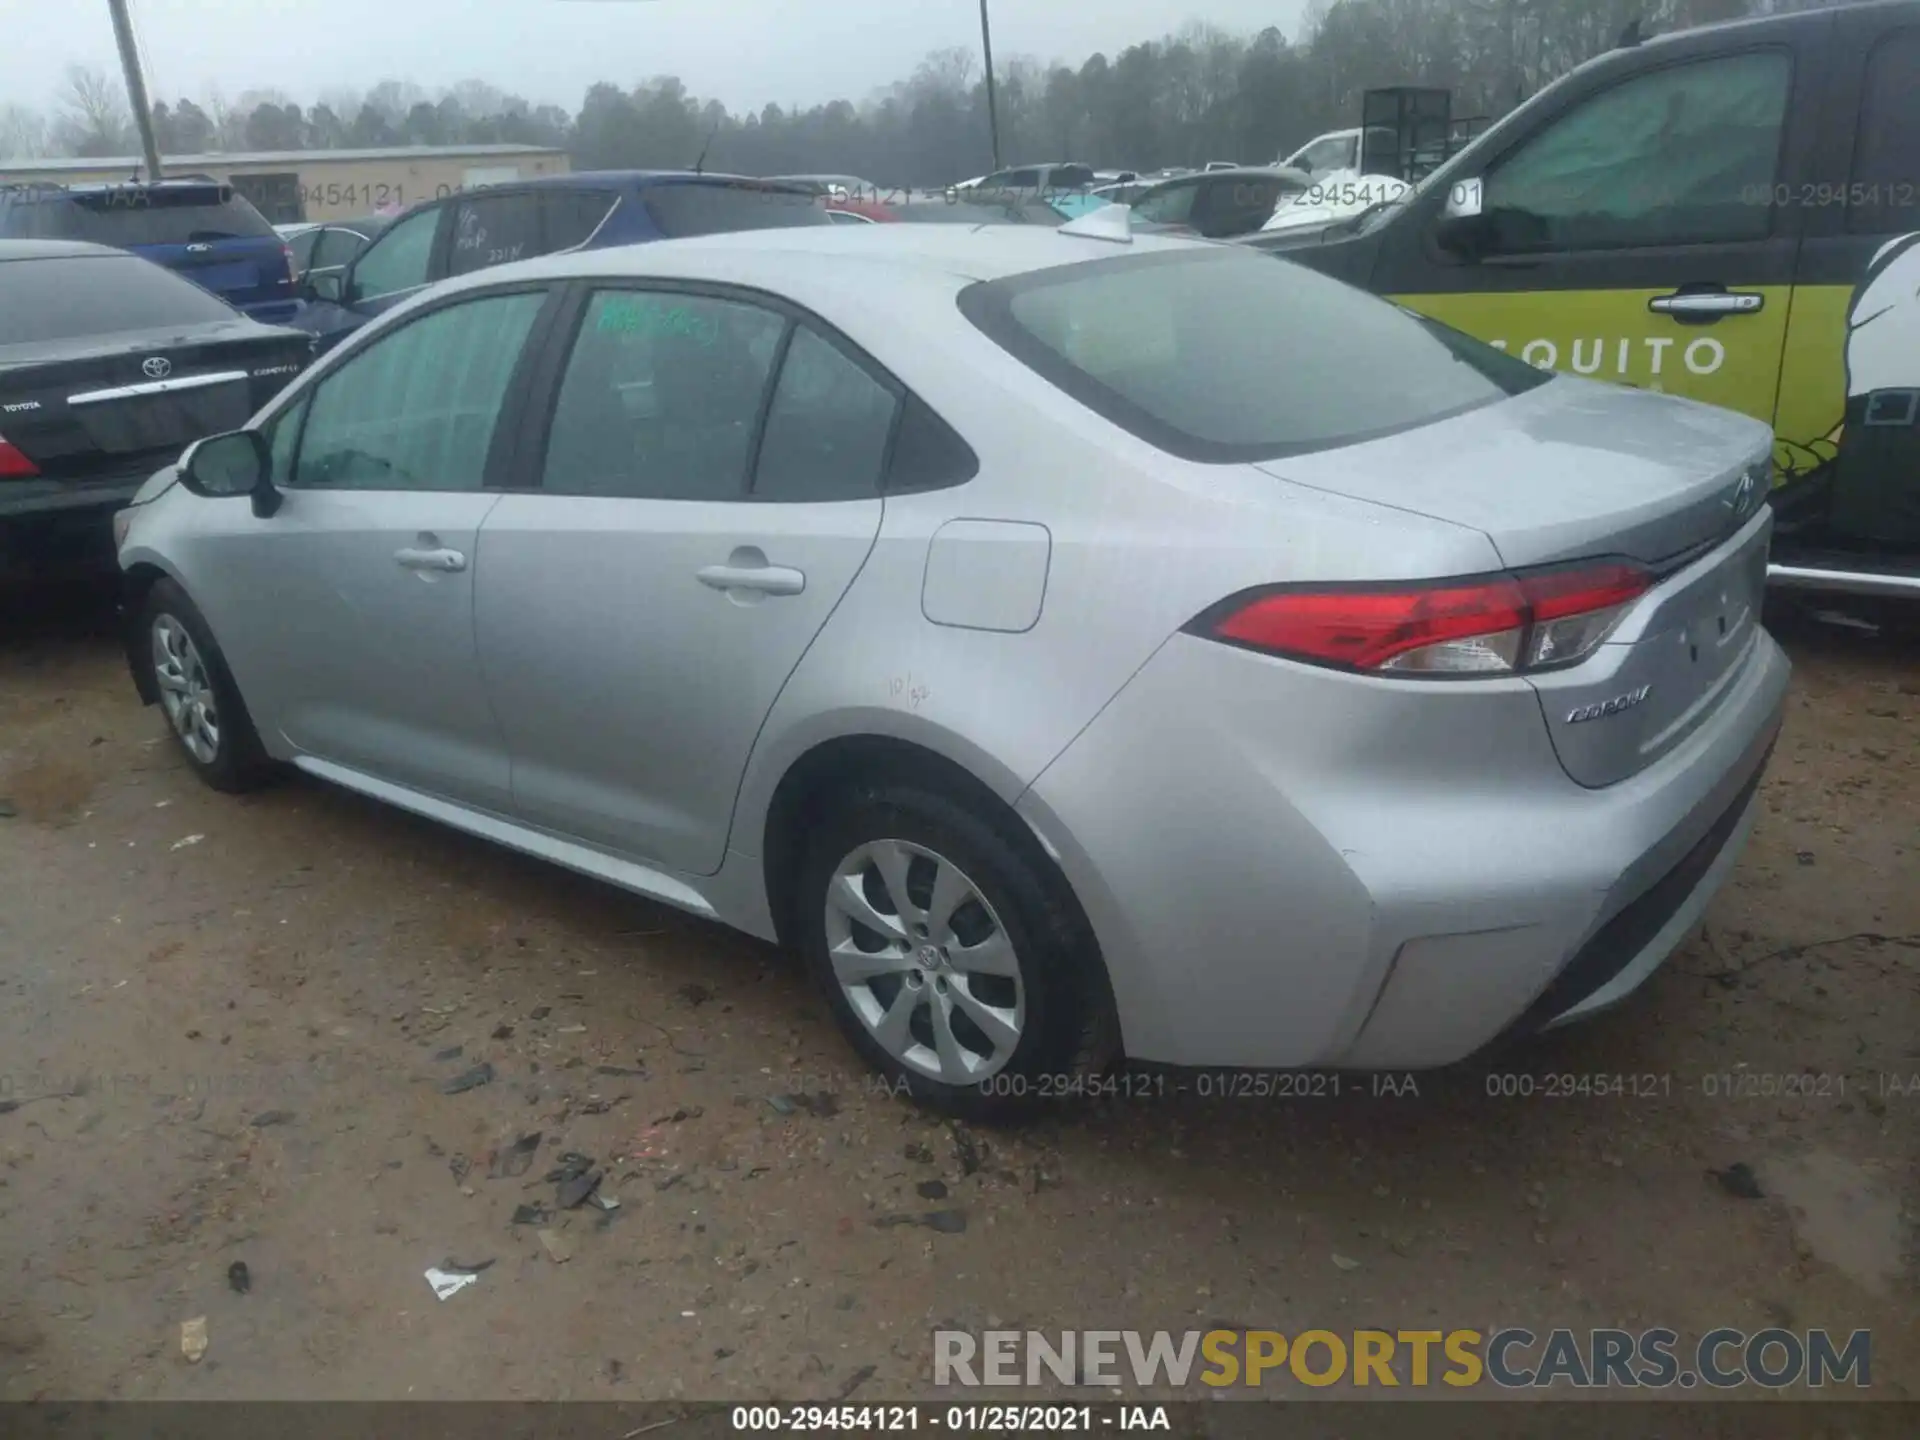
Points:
(1498, 624)
(13, 464)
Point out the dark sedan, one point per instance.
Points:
(110, 365)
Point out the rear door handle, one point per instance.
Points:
(767, 579)
(447, 560)
(1707, 304)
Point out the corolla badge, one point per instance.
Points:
(1599, 709)
(156, 367)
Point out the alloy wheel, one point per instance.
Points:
(186, 692)
(924, 961)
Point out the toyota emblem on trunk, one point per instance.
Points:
(156, 368)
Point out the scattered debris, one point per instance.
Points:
(459, 1165)
(604, 1202)
(856, 1380)
(530, 1215)
(272, 1117)
(540, 1012)
(919, 1152)
(601, 1107)
(634, 1071)
(782, 1104)
(467, 1080)
(1343, 1262)
(573, 1193)
(503, 1032)
(572, 1165)
(515, 1159)
(454, 1267)
(1805, 857)
(8, 810)
(695, 994)
(452, 1052)
(185, 841)
(689, 1112)
(446, 1283)
(239, 1278)
(559, 1249)
(932, 1189)
(571, 1030)
(968, 1151)
(1738, 1181)
(823, 1103)
(947, 1222)
(193, 1338)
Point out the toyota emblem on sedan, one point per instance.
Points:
(157, 367)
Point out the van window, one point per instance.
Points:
(1684, 155)
(491, 230)
(1886, 152)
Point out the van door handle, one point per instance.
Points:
(1708, 304)
(445, 560)
(767, 579)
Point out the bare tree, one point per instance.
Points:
(93, 118)
(23, 133)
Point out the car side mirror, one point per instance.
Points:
(328, 285)
(237, 463)
(1464, 228)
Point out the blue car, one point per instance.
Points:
(199, 228)
(476, 229)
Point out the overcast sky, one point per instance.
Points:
(744, 53)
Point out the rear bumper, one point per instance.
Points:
(51, 528)
(1285, 869)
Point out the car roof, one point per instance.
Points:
(636, 179)
(867, 253)
(56, 250)
(1243, 172)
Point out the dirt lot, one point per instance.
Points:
(244, 1015)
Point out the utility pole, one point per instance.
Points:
(137, 86)
(993, 113)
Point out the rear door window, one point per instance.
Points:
(400, 258)
(683, 208)
(1170, 206)
(493, 229)
(1885, 194)
(569, 217)
(1683, 155)
(97, 295)
(827, 429)
(1139, 340)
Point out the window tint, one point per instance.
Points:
(398, 260)
(416, 409)
(185, 215)
(1069, 177)
(927, 454)
(827, 428)
(661, 396)
(1886, 152)
(493, 230)
(1682, 155)
(569, 217)
(1140, 341)
(97, 295)
(713, 208)
(1171, 206)
(302, 246)
(337, 247)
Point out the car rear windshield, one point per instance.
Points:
(97, 295)
(135, 216)
(709, 208)
(1226, 354)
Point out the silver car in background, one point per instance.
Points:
(1029, 627)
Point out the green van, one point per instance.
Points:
(1730, 213)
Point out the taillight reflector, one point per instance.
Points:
(1475, 626)
(13, 464)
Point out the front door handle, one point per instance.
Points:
(441, 559)
(1707, 304)
(766, 579)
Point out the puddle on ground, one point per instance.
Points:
(1845, 1213)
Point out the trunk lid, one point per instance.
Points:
(103, 407)
(1576, 470)
(243, 272)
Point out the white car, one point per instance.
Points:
(1335, 197)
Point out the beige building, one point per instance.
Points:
(293, 185)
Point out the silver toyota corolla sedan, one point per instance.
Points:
(1072, 646)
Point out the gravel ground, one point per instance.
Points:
(236, 1022)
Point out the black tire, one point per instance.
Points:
(239, 762)
(1069, 1035)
